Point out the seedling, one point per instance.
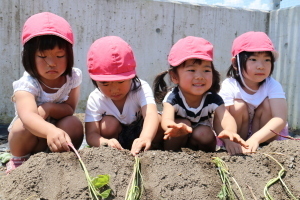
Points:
(135, 188)
(274, 180)
(226, 190)
(97, 185)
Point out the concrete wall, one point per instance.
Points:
(150, 27)
(284, 30)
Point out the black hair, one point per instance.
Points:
(243, 57)
(135, 81)
(42, 43)
(160, 87)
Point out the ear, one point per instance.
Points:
(174, 77)
(233, 62)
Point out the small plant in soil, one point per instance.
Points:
(226, 190)
(98, 186)
(276, 179)
(135, 188)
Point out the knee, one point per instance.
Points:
(240, 106)
(110, 127)
(203, 134)
(264, 107)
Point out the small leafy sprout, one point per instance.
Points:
(98, 186)
(274, 180)
(226, 190)
(135, 188)
(5, 157)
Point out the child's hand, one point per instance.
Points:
(253, 146)
(233, 137)
(176, 130)
(58, 140)
(139, 144)
(232, 148)
(114, 143)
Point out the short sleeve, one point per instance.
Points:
(227, 92)
(76, 77)
(275, 90)
(145, 94)
(93, 108)
(27, 83)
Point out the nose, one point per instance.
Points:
(199, 76)
(260, 65)
(50, 62)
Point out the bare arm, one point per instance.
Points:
(171, 128)
(58, 111)
(276, 123)
(27, 110)
(226, 129)
(149, 130)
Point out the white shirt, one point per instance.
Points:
(231, 90)
(32, 85)
(98, 105)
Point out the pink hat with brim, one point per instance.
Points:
(111, 59)
(190, 48)
(46, 23)
(253, 42)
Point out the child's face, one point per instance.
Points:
(51, 64)
(258, 68)
(115, 90)
(194, 79)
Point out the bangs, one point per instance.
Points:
(49, 42)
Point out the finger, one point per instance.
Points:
(167, 136)
(243, 143)
(117, 145)
(148, 146)
(189, 129)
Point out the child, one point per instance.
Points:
(46, 95)
(192, 111)
(255, 100)
(121, 111)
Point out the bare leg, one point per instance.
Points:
(203, 138)
(110, 127)
(23, 142)
(239, 111)
(73, 127)
(262, 116)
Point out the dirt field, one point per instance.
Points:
(185, 175)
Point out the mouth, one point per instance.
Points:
(51, 72)
(116, 96)
(199, 84)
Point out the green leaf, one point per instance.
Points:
(5, 157)
(100, 181)
(105, 194)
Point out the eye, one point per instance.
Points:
(268, 59)
(61, 56)
(40, 56)
(121, 82)
(252, 59)
(191, 70)
(207, 70)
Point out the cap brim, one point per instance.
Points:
(114, 77)
(201, 57)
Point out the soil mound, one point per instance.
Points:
(185, 175)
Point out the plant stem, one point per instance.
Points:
(288, 137)
(274, 180)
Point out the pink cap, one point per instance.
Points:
(111, 59)
(190, 48)
(46, 23)
(253, 42)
